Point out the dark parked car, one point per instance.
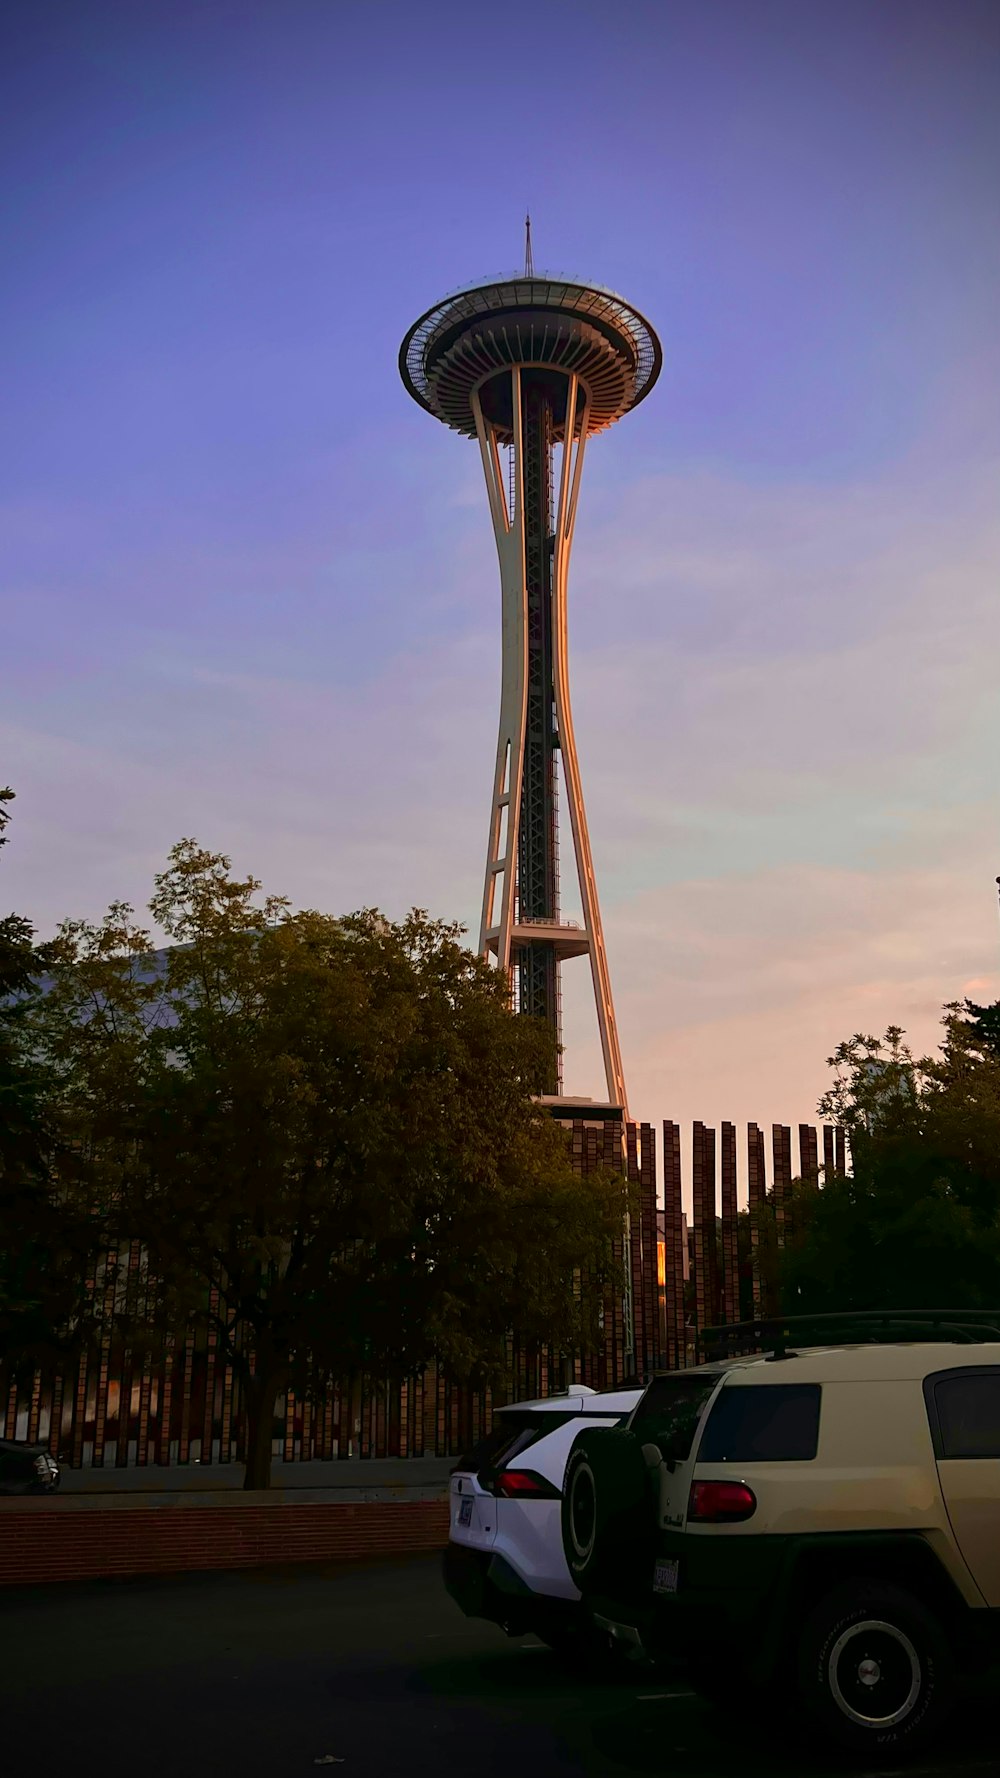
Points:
(26, 1469)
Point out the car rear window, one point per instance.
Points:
(668, 1414)
(511, 1434)
(762, 1423)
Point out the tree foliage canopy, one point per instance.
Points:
(46, 1239)
(324, 1133)
(916, 1224)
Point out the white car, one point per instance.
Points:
(504, 1559)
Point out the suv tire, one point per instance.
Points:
(874, 1668)
(607, 1512)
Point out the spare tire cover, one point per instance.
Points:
(608, 1518)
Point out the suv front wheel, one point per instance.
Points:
(874, 1668)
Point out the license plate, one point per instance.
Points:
(665, 1577)
(465, 1511)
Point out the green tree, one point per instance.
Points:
(984, 1022)
(46, 1239)
(916, 1222)
(323, 1131)
(22, 1138)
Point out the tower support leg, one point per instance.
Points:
(520, 923)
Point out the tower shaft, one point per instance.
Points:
(521, 924)
(537, 859)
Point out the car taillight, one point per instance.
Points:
(524, 1484)
(721, 1502)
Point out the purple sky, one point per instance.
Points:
(250, 591)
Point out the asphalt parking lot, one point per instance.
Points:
(367, 1670)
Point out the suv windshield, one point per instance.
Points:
(668, 1414)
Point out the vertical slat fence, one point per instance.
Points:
(187, 1392)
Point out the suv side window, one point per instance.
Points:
(965, 1413)
(669, 1412)
(762, 1423)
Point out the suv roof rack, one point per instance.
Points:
(863, 1327)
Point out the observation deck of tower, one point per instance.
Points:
(535, 365)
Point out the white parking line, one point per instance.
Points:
(654, 1697)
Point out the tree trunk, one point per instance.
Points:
(351, 1439)
(260, 1394)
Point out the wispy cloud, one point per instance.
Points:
(789, 742)
(788, 723)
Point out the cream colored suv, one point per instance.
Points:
(824, 1518)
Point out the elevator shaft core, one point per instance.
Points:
(537, 863)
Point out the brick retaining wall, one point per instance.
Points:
(49, 1541)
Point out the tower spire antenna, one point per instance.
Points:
(529, 264)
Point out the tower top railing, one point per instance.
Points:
(539, 290)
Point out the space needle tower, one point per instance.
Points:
(532, 367)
